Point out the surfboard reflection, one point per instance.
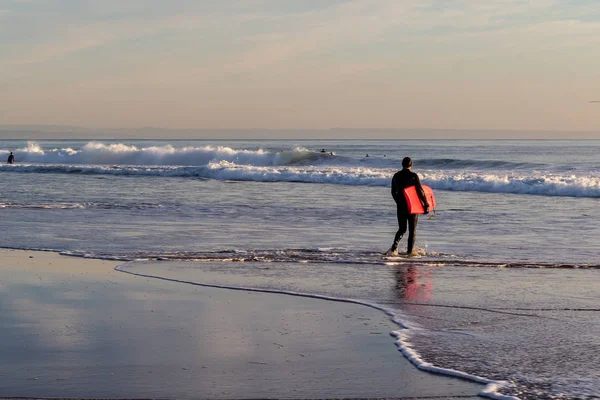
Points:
(413, 284)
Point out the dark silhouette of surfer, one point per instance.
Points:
(323, 151)
(401, 180)
(11, 158)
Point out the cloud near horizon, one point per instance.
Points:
(454, 64)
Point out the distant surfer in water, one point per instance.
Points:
(401, 180)
(11, 158)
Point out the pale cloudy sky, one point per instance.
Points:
(303, 64)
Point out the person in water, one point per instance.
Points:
(401, 180)
(11, 158)
(323, 151)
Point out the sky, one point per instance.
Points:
(483, 65)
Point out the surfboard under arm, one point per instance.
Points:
(414, 202)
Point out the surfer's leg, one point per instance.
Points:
(402, 218)
(412, 232)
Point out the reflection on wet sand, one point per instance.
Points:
(413, 284)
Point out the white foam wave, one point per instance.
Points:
(296, 165)
(534, 183)
(96, 153)
(539, 183)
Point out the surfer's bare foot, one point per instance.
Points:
(413, 253)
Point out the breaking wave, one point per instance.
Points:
(301, 165)
(96, 153)
(533, 183)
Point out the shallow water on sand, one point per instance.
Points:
(528, 326)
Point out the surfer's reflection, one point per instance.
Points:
(413, 284)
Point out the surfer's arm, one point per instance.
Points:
(394, 189)
(421, 193)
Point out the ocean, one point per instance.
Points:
(505, 287)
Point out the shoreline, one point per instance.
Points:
(44, 271)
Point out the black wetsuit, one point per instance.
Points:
(400, 181)
(11, 159)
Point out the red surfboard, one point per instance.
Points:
(413, 201)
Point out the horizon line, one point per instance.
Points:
(50, 129)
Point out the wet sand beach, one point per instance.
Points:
(76, 328)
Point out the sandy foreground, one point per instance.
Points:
(76, 328)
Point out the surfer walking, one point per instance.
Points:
(401, 180)
(11, 158)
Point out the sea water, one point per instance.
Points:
(506, 286)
